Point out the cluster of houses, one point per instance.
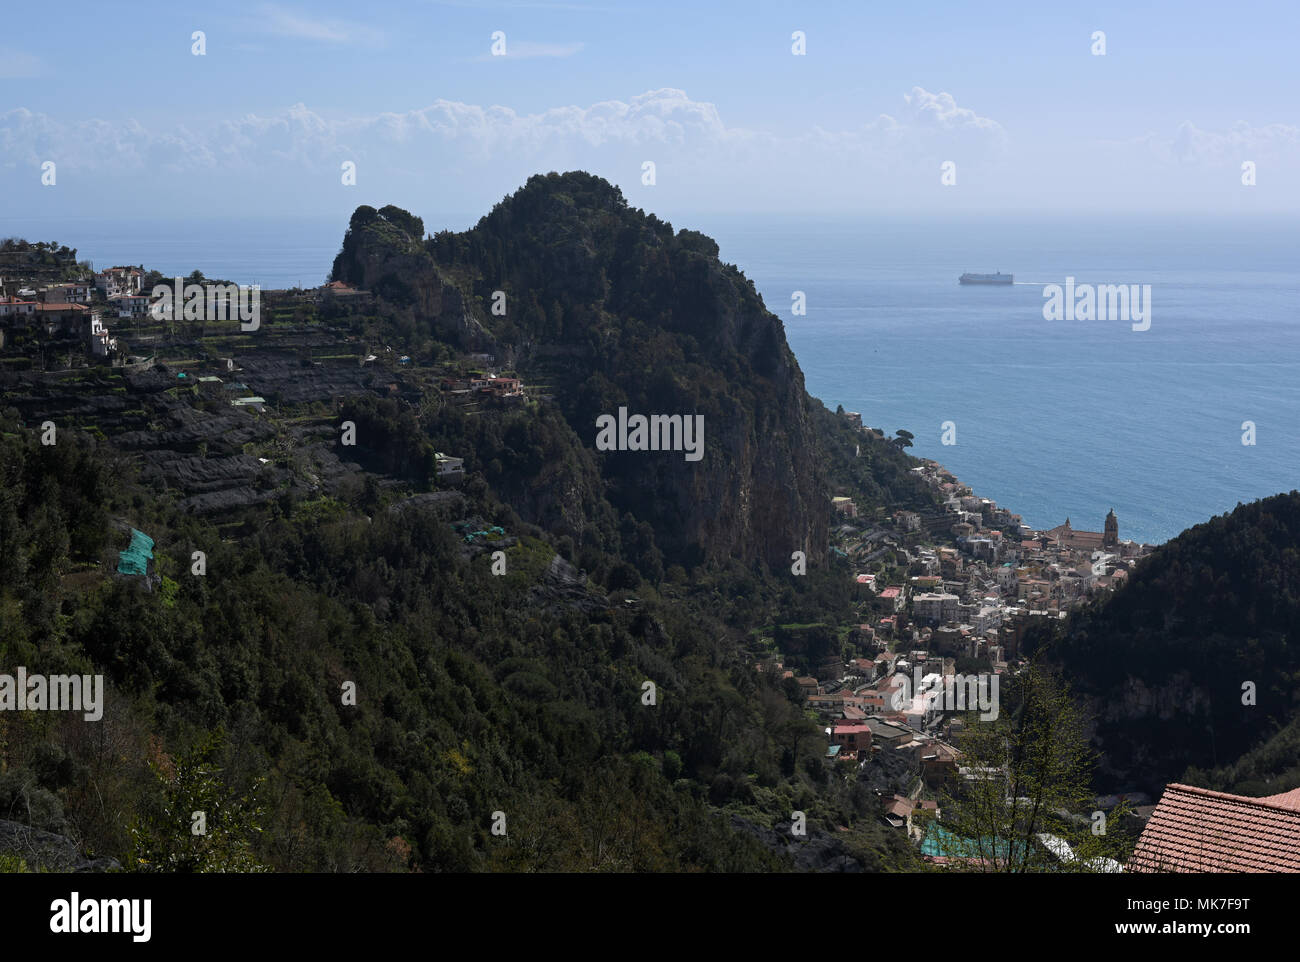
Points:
(475, 385)
(881, 691)
(122, 290)
(963, 581)
(78, 308)
(873, 717)
(69, 309)
(976, 576)
(872, 710)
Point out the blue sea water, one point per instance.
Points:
(274, 253)
(1053, 418)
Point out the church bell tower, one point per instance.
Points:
(1110, 539)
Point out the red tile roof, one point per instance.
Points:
(1288, 800)
(1198, 830)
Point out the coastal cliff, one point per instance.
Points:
(609, 307)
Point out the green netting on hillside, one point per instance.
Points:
(135, 559)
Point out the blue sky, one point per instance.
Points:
(710, 92)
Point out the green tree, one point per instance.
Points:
(173, 838)
(1027, 786)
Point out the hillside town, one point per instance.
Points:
(966, 580)
(945, 600)
(93, 346)
(71, 314)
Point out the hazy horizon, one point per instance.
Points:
(718, 99)
(220, 248)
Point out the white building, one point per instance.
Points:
(130, 305)
(449, 468)
(14, 310)
(120, 280)
(986, 619)
(935, 608)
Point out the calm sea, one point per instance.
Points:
(1052, 418)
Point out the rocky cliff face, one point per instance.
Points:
(383, 252)
(609, 308)
(48, 852)
(1147, 734)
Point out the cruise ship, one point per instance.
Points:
(985, 279)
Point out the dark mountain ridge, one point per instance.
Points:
(1197, 659)
(610, 308)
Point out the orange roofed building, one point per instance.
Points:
(1198, 830)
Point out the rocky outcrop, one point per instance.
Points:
(564, 586)
(817, 851)
(46, 851)
(669, 329)
(1135, 700)
(1125, 725)
(383, 253)
(613, 309)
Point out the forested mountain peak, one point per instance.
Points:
(609, 309)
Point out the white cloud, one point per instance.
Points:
(927, 125)
(29, 139)
(665, 120)
(1191, 146)
(658, 118)
(480, 152)
(471, 154)
(941, 112)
